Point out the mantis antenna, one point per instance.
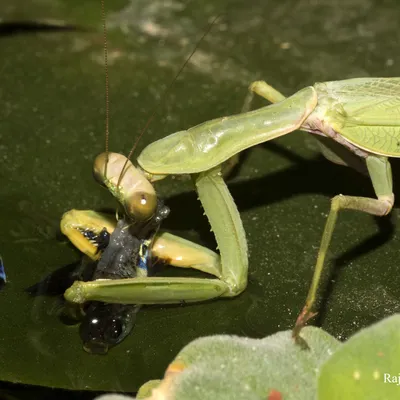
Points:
(106, 81)
(162, 98)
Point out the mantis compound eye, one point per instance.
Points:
(141, 205)
(127, 184)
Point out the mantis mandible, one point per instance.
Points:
(360, 115)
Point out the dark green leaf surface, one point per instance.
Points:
(52, 126)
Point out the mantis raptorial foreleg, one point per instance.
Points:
(82, 226)
(120, 254)
(227, 227)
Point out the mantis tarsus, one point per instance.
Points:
(359, 114)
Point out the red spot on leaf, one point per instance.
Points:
(274, 395)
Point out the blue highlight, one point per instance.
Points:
(143, 261)
(2, 271)
(143, 258)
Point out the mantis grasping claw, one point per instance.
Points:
(359, 114)
(230, 269)
(144, 214)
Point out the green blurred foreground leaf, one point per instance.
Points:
(224, 367)
(366, 367)
(227, 367)
(274, 368)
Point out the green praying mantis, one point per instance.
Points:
(358, 125)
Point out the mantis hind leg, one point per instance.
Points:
(381, 176)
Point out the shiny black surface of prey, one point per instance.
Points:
(127, 255)
(101, 240)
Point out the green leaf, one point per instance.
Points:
(146, 389)
(226, 367)
(366, 367)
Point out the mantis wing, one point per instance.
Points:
(366, 111)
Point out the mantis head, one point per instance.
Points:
(127, 184)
